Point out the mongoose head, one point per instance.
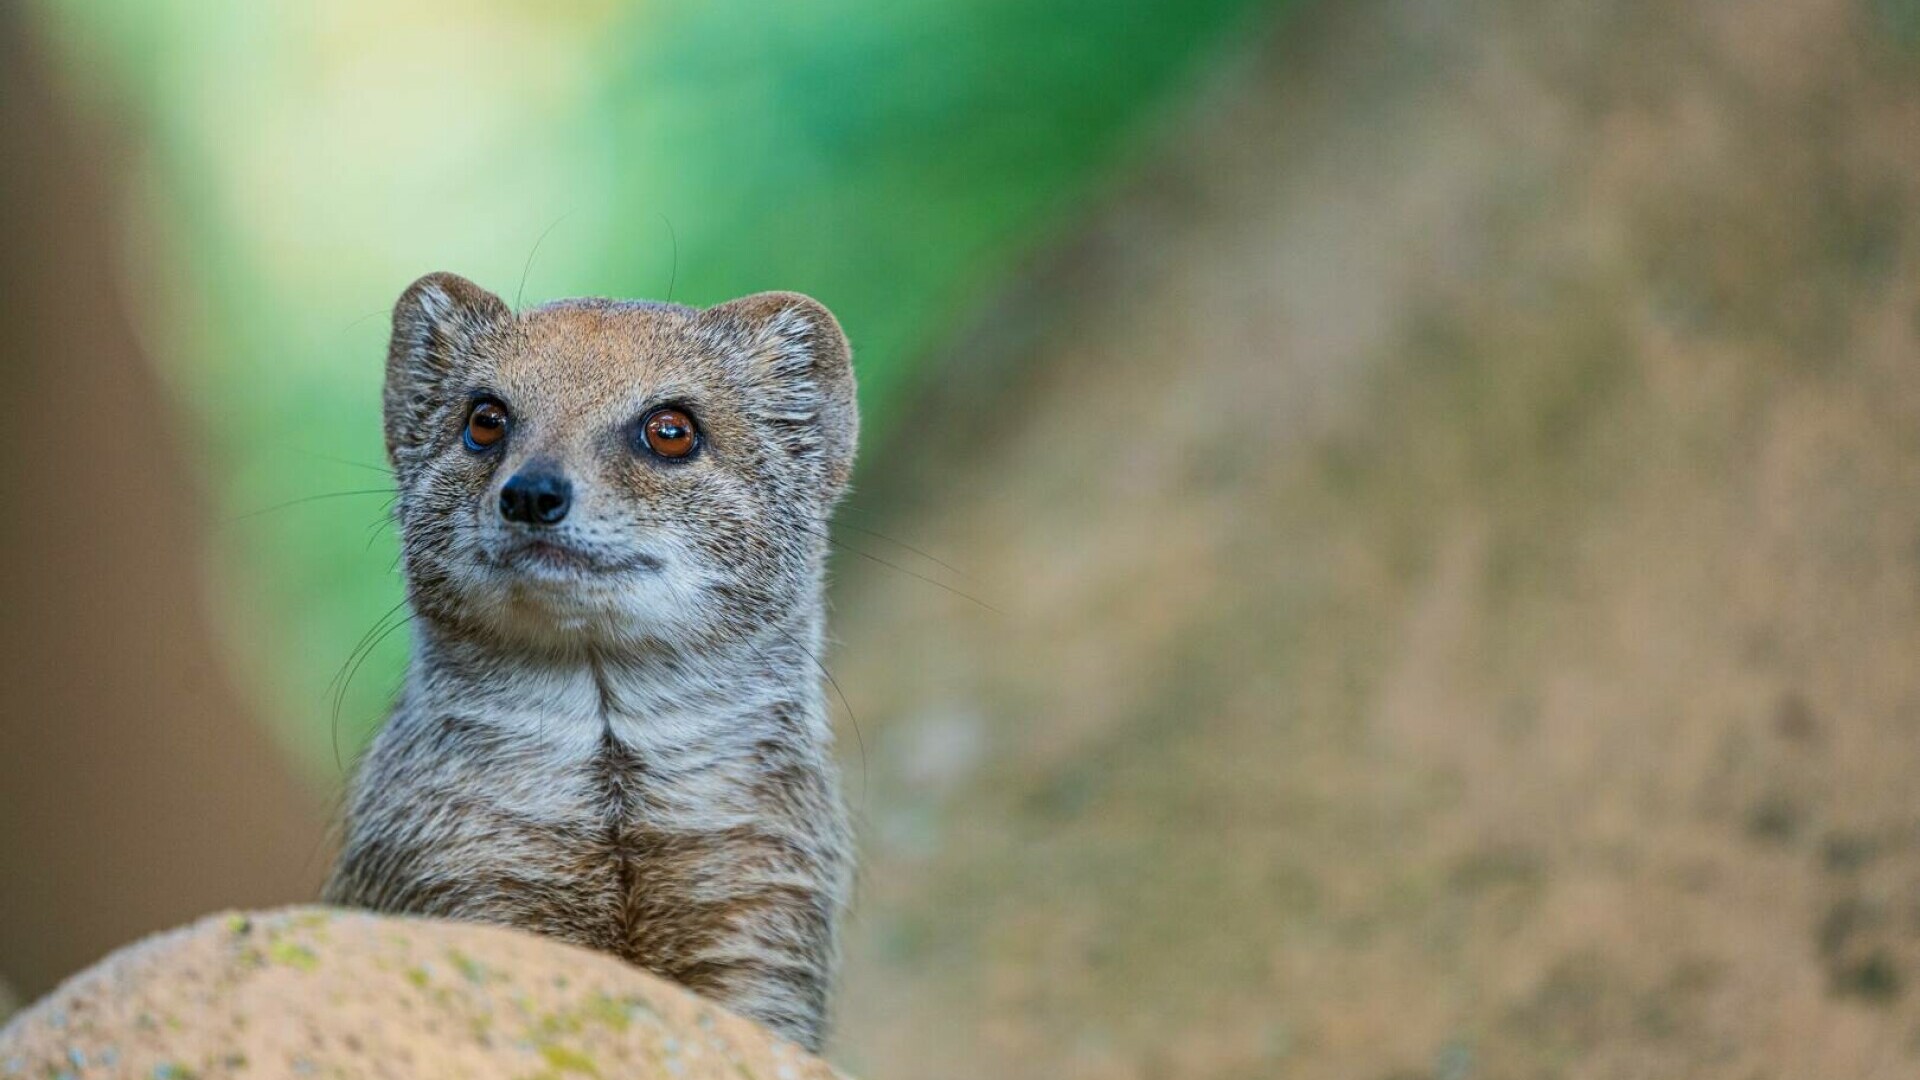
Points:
(597, 472)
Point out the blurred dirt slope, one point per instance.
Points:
(1457, 526)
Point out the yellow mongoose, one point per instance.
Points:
(613, 516)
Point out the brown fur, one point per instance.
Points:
(629, 750)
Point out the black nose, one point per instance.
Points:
(536, 498)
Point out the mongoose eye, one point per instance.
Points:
(669, 432)
(486, 424)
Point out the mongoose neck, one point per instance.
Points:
(771, 669)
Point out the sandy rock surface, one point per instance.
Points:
(328, 993)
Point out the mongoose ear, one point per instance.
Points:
(799, 371)
(435, 323)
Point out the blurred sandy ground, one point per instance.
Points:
(1453, 525)
(1456, 520)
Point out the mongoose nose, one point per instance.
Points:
(536, 498)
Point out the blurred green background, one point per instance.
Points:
(302, 162)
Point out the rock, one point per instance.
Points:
(325, 992)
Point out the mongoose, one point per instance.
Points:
(613, 520)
